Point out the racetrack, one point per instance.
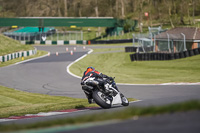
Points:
(48, 75)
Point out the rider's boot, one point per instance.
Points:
(90, 101)
(89, 97)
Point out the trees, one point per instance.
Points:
(163, 11)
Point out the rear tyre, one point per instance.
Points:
(101, 99)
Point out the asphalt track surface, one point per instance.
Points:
(48, 75)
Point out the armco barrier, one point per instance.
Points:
(163, 56)
(11, 56)
(58, 42)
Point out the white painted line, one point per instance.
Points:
(135, 101)
(181, 83)
(49, 113)
(135, 84)
(4, 120)
(67, 69)
(43, 114)
(53, 113)
(198, 83)
(31, 59)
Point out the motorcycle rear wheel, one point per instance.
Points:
(101, 99)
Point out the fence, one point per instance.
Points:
(162, 42)
(171, 43)
(52, 37)
(136, 37)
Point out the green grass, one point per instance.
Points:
(96, 50)
(120, 66)
(8, 45)
(115, 44)
(132, 112)
(128, 35)
(18, 103)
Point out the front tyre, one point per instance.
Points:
(101, 99)
(125, 101)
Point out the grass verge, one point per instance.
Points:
(120, 66)
(115, 44)
(18, 103)
(8, 45)
(96, 50)
(120, 115)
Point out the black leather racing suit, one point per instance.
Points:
(97, 80)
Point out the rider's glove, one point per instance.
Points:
(110, 78)
(82, 83)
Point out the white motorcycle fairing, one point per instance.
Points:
(116, 99)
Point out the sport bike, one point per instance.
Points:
(106, 99)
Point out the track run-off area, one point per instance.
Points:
(49, 75)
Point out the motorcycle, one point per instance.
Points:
(103, 98)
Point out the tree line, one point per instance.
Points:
(173, 12)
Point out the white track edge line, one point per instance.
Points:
(75, 62)
(30, 59)
(135, 101)
(5, 120)
(43, 114)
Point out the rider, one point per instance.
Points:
(97, 80)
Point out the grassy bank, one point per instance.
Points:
(141, 72)
(133, 112)
(8, 45)
(18, 103)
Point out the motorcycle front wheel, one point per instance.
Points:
(101, 99)
(125, 101)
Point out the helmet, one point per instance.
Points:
(90, 69)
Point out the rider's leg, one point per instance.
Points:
(88, 95)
